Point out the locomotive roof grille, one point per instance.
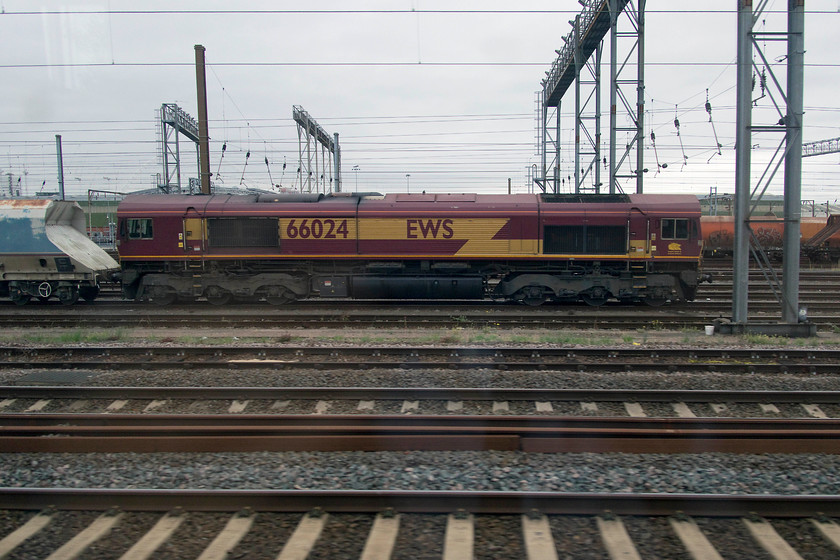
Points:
(290, 197)
(586, 198)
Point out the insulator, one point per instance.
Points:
(224, 147)
(677, 124)
(652, 137)
(708, 107)
(248, 154)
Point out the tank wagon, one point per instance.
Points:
(526, 248)
(45, 252)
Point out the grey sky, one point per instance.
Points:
(447, 98)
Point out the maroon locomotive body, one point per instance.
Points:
(527, 248)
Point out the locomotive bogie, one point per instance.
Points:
(524, 248)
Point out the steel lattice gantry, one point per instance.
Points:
(319, 155)
(789, 151)
(174, 121)
(576, 65)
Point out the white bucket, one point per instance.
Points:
(710, 330)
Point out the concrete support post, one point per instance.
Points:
(203, 133)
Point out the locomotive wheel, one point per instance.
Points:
(596, 297)
(278, 295)
(68, 295)
(43, 299)
(162, 295)
(655, 301)
(593, 301)
(218, 296)
(532, 296)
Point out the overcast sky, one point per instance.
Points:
(446, 98)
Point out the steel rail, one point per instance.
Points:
(80, 433)
(415, 393)
(425, 501)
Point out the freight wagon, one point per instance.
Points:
(45, 252)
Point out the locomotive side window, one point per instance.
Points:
(674, 228)
(139, 228)
(242, 232)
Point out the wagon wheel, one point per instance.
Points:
(278, 295)
(44, 291)
(68, 295)
(218, 296)
(89, 293)
(19, 298)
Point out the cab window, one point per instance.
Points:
(674, 228)
(139, 228)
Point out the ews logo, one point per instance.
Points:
(425, 229)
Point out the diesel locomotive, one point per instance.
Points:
(528, 248)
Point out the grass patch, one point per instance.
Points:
(766, 340)
(75, 337)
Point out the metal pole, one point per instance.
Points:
(640, 103)
(60, 166)
(337, 158)
(578, 64)
(203, 133)
(613, 90)
(598, 53)
(557, 153)
(793, 160)
(743, 123)
(544, 141)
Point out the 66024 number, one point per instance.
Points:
(316, 228)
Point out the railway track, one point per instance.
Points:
(397, 317)
(137, 524)
(788, 360)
